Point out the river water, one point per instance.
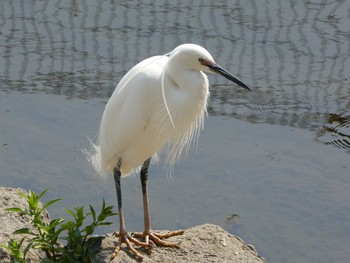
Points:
(270, 166)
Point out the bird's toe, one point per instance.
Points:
(128, 240)
(156, 239)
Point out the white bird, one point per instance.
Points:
(160, 101)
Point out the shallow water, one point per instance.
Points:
(276, 160)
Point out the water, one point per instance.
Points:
(276, 160)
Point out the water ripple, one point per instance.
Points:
(336, 132)
(283, 106)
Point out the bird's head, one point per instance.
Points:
(198, 58)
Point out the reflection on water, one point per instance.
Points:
(232, 219)
(295, 53)
(336, 131)
(298, 50)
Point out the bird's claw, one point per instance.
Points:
(127, 240)
(152, 240)
(155, 239)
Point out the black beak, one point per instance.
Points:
(221, 71)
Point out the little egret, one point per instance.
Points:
(160, 101)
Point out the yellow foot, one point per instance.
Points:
(151, 240)
(127, 240)
(155, 239)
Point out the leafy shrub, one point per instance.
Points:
(47, 236)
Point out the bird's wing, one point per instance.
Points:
(144, 66)
(130, 109)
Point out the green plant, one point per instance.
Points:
(15, 248)
(48, 234)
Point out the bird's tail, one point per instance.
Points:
(93, 155)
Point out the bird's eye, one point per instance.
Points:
(201, 60)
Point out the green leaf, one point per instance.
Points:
(51, 203)
(23, 231)
(105, 223)
(23, 194)
(69, 212)
(40, 195)
(93, 213)
(56, 222)
(15, 209)
(89, 230)
(25, 251)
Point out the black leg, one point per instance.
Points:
(144, 177)
(123, 235)
(117, 176)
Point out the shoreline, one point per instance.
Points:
(203, 243)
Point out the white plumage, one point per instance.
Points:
(161, 101)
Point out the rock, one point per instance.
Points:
(205, 243)
(10, 222)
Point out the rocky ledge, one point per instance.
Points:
(204, 243)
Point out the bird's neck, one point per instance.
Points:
(189, 80)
